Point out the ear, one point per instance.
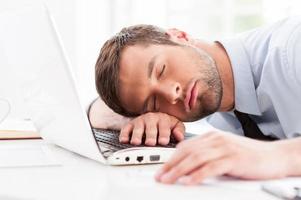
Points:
(177, 35)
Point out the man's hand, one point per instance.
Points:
(155, 126)
(219, 153)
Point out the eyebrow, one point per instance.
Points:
(150, 69)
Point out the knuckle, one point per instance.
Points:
(150, 115)
(165, 118)
(138, 123)
(162, 115)
(151, 134)
(165, 133)
(138, 129)
(135, 122)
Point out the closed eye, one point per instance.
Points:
(163, 68)
(155, 98)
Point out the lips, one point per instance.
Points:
(191, 96)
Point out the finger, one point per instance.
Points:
(206, 140)
(178, 131)
(138, 132)
(214, 168)
(164, 132)
(151, 132)
(125, 133)
(186, 148)
(190, 163)
(177, 156)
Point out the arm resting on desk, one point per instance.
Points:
(220, 153)
(101, 116)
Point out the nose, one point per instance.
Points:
(171, 92)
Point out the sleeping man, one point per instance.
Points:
(153, 80)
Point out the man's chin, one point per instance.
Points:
(200, 115)
(195, 117)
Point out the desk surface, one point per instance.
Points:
(81, 178)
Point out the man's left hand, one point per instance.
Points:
(219, 153)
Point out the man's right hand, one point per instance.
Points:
(157, 128)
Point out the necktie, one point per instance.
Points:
(250, 128)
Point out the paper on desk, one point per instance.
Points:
(26, 156)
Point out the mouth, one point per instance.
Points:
(191, 96)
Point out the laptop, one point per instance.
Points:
(34, 54)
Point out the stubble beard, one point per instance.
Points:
(210, 100)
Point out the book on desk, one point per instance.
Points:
(15, 129)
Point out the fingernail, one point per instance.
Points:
(135, 141)
(123, 139)
(185, 180)
(150, 142)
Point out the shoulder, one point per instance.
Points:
(274, 35)
(276, 48)
(285, 48)
(292, 52)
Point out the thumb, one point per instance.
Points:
(179, 130)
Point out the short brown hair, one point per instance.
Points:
(107, 65)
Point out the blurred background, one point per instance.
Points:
(84, 25)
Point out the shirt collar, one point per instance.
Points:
(245, 94)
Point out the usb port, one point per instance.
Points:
(154, 158)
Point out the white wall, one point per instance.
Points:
(85, 24)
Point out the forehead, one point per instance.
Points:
(133, 74)
(136, 58)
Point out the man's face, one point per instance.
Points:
(178, 80)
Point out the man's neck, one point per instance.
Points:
(220, 56)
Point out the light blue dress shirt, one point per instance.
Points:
(266, 65)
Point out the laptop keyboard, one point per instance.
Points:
(109, 141)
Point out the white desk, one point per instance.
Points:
(80, 178)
